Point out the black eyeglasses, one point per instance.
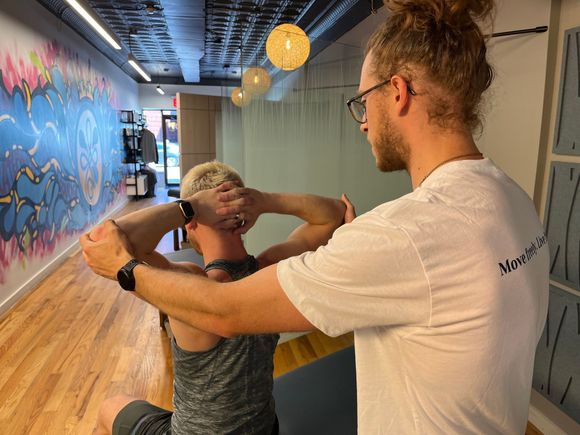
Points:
(357, 106)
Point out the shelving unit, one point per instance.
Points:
(133, 124)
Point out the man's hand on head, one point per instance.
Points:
(206, 203)
(228, 207)
(106, 249)
(243, 204)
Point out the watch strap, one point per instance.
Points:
(125, 275)
(131, 264)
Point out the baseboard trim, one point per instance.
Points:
(549, 419)
(35, 280)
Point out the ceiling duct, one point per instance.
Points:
(186, 27)
(203, 41)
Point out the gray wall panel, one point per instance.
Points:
(567, 131)
(557, 365)
(562, 221)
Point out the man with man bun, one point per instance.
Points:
(445, 329)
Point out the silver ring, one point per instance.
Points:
(243, 223)
(237, 217)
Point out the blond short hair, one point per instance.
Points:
(207, 176)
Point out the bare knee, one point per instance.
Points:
(109, 410)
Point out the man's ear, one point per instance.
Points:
(191, 225)
(402, 95)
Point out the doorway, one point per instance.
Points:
(171, 155)
(163, 124)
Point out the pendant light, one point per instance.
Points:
(241, 97)
(288, 47)
(256, 80)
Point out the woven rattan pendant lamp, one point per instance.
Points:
(256, 81)
(287, 47)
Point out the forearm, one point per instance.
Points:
(188, 296)
(313, 209)
(256, 304)
(157, 260)
(146, 227)
(322, 215)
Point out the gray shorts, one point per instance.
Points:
(142, 418)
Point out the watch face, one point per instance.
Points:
(186, 210)
(126, 278)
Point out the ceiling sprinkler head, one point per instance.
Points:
(152, 8)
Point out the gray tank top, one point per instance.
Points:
(227, 389)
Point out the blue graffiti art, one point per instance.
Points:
(60, 157)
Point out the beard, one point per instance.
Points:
(392, 152)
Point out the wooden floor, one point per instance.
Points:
(78, 339)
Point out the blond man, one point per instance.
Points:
(221, 385)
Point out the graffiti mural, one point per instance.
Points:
(60, 162)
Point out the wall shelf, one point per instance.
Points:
(133, 124)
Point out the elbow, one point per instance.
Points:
(212, 323)
(224, 327)
(229, 334)
(223, 314)
(220, 311)
(233, 322)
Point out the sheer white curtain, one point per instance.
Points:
(300, 137)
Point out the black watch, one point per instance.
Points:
(186, 210)
(125, 275)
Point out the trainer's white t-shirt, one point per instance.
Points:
(446, 290)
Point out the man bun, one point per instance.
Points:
(440, 43)
(455, 13)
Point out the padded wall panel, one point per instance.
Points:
(557, 365)
(562, 221)
(567, 131)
